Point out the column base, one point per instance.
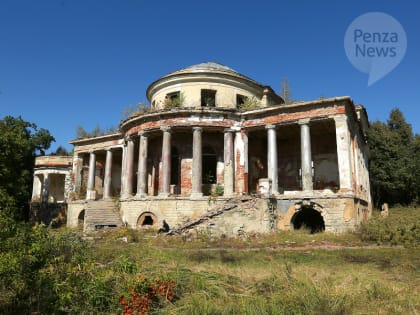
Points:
(141, 195)
(163, 194)
(91, 195)
(126, 196)
(196, 195)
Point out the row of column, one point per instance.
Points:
(343, 154)
(166, 165)
(306, 156)
(342, 136)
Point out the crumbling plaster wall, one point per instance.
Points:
(173, 210)
(73, 211)
(176, 211)
(339, 214)
(191, 92)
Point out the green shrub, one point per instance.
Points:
(402, 227)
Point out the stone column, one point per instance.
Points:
(108, 172)
(122, 179)
(45, 187)
(91, 192)
(142, 170)
(129, 169)
(241, 161)
(306, 155)
(228, 163)
(197, 164)
(272, 163)
(343, 152)
(166, 161)
(36, 189)
(76, 170)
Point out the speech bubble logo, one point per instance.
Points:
(375, 43)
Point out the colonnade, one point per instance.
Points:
(232, 139)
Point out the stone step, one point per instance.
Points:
(101, 214)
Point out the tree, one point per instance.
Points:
(96, 132)
(20, 142)
(61, 151)
(392, 165)
(285, 91)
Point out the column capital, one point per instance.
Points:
(270, 126)
(129, 139)
(340, 118)
(197, 128)
(165, 128)
(304, 121)
(91, 151)
(228, 130)
(143, 133)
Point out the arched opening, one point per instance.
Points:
(309, 219)
(146, 220)
(81, 218)
(209, 169)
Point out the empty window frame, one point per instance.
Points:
(240, 99)
(173, 99)
(208, 98)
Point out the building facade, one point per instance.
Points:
(214, 137)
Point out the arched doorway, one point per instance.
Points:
(146, 220)
(309, 219)
(209, 169)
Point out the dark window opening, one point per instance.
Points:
(308, 219)
(240, 99)
(148, 220)
(173, 96)
(208, 98)
(175, 174)
(173, 99)
(209, 172)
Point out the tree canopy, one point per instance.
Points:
(20, 142)
(394, 161)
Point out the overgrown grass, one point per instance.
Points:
(252, 275)
(401, 227)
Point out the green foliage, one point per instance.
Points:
(61, 151)
(29, 259)
(219, 190)
(174, 102)
(96, 132)
(131, 111)
(393, 161)
(250, 103)
(402, 227)
(56, 272)
(20, 142)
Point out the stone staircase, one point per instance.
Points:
(244, 202)
(100, 214)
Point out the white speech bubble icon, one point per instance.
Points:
(375, 43)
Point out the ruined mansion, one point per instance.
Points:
(216, 152)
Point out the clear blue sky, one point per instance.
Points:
(81, 62)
